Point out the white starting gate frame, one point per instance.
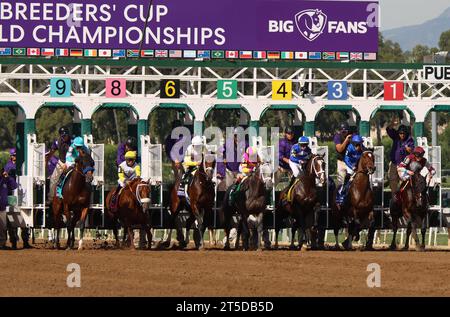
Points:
(433, 155)
(27, 199)
(151, 170)
(98, 155)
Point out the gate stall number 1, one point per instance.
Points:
(60, 87)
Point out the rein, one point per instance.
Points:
(313, 167)
(137, 194)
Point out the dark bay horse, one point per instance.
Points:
(250, 201)
(201, 193)
(75, 202)
(132, 209)
(413, 207)
(304, 202)
(358, 208)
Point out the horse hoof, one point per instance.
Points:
(393, 247)
(405, 248)
(293, 247)
(337, 247)
(369, 248)
(420, 249)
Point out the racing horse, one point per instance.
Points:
(76, 193)
(358, 207)
(199, 202)
(413, 206)
(132, 209)
(251, 201)
(304, 202)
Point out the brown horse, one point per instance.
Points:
(132, 209)
(201, 193)
(304, 203)
(413, 207)
(75, 202)
(250, 201)
(358, 208)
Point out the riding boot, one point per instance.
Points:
(114, 199)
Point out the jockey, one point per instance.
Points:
(351, 158)
(250, 160)
(192, 158)
(123, 148)
(76, 149)
(300, 155)
(404, 168)
(61, 145)
(128, 171)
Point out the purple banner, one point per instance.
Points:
(280, 25)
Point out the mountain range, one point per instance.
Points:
(427, 33)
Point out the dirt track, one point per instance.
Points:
(42, 272)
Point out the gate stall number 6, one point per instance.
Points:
(60, 87)
(337, 90)
(116, 88)
(170, 89)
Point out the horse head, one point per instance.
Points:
(367, 162)
(419, 186)
(81, 169)
(316, 167)
(208, 165)
(141, 190)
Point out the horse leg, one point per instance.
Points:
(83, 217)
(414, 233)
(259, 229)
(199, 215)
(408, 234)
(293, 231)
(393, 245)
(371, 234)
(348, 243)
(423, 231)
(245, 233)
(311, 230)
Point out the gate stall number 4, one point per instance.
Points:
(282, 90)
(337, 90)
(60, 87)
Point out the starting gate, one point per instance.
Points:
(151, 170)
(98, 195)
(377, 178)
(433, 155)
(31, 191)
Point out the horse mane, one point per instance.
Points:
(419, 183)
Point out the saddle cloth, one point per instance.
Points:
(60, 185)
(290, 194)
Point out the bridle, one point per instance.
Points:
(137, 193)
(366, 170)
(314, 169)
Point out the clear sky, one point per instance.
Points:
(397, 13)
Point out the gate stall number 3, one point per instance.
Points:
(116, 88)
(60, 87)
(170, 89)
(337, 90)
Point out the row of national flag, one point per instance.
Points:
(189, 54)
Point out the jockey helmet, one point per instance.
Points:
(344, 126)
(252, 150)
(130, 155)
(403, 129)
(131, 142)
(303, 140)
(357, 139)
(78, 141)
(12, 152)
(63, 131)
(197, 141)
(419, 151)
(289, 130)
